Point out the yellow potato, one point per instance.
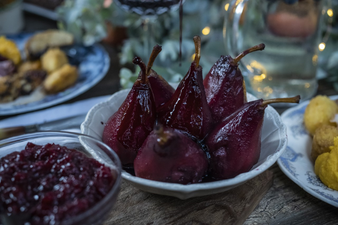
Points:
(61, 79)
(53, 60)
(9, 50)
(323, 139)
(29, 65)
(326, 166)
(41, 41)
(3, 84)
(320, 111)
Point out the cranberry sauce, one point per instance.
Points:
(51, 183)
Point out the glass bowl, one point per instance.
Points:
(92, 148)
(273, 143)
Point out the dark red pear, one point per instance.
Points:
(235, 144)
(188, 109)
(169, 155)
(224, 85)
(162, 90)
(126, 129)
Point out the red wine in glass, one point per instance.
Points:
(148, 7)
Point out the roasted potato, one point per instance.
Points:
(323, 139)
(53, 60)
(319, 111)
(326, 166)
(61, 79)
(29, 65)
(3, 84)
(9, 50)
(42, 41)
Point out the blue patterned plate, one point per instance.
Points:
(296, 162)
(93, 64)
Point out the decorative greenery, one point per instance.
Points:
(86, 19)
(165, 31)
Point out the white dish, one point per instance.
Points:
(274, 141)
(296, 162)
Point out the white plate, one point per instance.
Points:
(93, 65)
(274, 141)
(296, 162)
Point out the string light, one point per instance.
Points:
(321, 46)
(206, 31)
(226, 7)
(329, 12)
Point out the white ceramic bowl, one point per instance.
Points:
(274, 141)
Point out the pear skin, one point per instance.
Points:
(126, 130)
(171, 156)
(235, 144)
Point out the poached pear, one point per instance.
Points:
(224, 85)
(169, 155)
(188, 109)
(162, 90)
(235, 144)
(126, 130)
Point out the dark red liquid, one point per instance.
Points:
(181, 28)
(51, 183)
(147, 7)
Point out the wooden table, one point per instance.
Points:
(278, 201)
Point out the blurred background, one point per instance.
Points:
(94, 21)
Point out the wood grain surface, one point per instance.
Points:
(230, 207)
(287, 203)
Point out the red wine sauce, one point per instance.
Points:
(181, 25)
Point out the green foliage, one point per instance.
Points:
(86, 19)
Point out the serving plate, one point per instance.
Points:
(296, 161)
(274, 141)
(93, 66)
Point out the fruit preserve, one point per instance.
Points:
(51, 183)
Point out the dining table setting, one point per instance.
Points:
(280, 187)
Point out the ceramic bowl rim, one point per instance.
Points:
(190, 188)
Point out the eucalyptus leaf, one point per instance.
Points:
(169, 50)
(127, 77)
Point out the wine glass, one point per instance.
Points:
(149, 10)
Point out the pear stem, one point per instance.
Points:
(282, 100)
(197, 41)
(138, 61)
(156, 50)
(259, 47)
(162, 138)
